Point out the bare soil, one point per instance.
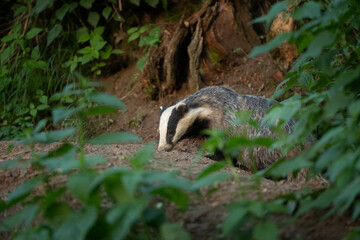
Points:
(206, 212)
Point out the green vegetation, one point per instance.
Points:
(43, 59)
(110, 203)
(328, 71)
(47, 41)
(152, 38)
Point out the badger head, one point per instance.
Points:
(176, 121)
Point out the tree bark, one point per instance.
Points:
(202, 47)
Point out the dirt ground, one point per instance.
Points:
(206, 212)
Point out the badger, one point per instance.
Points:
(214, 108)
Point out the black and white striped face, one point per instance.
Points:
(169, 126)
(176, 121)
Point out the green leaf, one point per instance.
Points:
(306, 80)
(61, 12)
(340, 100)
(134, 36)
(316, 46)
(286, 111)
(93, 160)
(8, 37)
(142, 29)
(152, 3)
(72, 6)
(142, 62)
(275, 42)
(105, 53)
(24, 190)
(210, 180)
(106, 99)
(42, 107)
(106, 12)
(82, 35)
(266, 231)
(164, 4)
(19, 10)
(64, 162)
(173, 231)
(86, 50)
(77, 225)
(53, 33)
(233, 221)
(41, 124)
(308, 10)
(99, 31)
(97, 42)
(43, 99)
(33, 112)
(136, 2)
(274, 10)
(78, 185)
(24, 216)
(86, 3)
(93, 18)
(32, 33)
(117, 51)
(132, 30)
(40, 6)
(174, 194)
(115, 137)
(143, 156)
(288, 166)
(210, 169)
(122, 217)
(59, 114)
(52, 136)
(57, 213)
(6, 54)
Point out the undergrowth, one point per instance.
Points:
(45, 42)
(39, 91)
(106, 203)
(327, 69)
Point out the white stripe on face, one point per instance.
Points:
(188, 120)
(163, 125)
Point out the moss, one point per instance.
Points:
(214, 58)
(151, 92)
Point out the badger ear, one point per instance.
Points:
(181, 108)
(162, 108)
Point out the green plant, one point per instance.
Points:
(249, 220)
(109, 203)
(46, 42)
(152, 3)
(147, 37)
(328, 70)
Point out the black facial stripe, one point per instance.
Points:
(172, 124)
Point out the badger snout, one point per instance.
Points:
(166, 147)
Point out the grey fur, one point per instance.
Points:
(224, 102)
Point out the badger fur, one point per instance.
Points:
(214, 108)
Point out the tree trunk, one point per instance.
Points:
(203, 47)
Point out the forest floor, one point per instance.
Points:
(206, 212)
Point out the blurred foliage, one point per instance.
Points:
(44, 42)
(48, 41)
(106, 203)
(327, 70)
